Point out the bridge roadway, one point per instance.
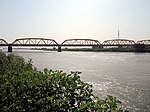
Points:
(95, 44)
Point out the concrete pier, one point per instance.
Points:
(59, 48)
(9, 48)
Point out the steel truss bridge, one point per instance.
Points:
(81, 42)
(34, 42)
(71, 42)
(121, 42)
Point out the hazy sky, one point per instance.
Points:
(64, 19)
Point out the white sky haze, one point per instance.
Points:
(65, 19)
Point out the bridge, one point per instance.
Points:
(32, 42)
(118, 42)
(81, 42)
(95, 44)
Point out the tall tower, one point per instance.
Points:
(118, 33)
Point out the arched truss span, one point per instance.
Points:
(3, 42)
(80, 42)
(35, 41)
(146, 42)
(118, 42)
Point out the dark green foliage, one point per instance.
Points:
(13, 64)
(26, 89)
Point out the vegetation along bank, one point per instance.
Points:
(24, 88)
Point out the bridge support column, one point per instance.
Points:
(95, 48)
(59, 48)
(9, 48)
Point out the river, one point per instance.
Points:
(120, 74)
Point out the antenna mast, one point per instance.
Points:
(118, 34)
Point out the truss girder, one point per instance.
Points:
(118, 42)
(3, 42)
(81, 42)
(34, 41)
(146, 42)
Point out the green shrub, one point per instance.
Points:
(26, 89)
(13, 64)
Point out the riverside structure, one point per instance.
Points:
(141, 45)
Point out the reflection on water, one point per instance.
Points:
(124, 75)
